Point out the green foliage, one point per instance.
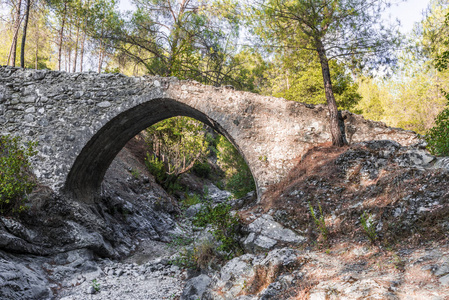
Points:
(434, 31)
(179, 241)
(238, 183)
(186, 254)
(187, 39)
(38, 50)
(368, 226)
(96, 285)
(252, 74)
(114, 70)
(341, 29)
(438, 137)
(372, 99)
(185, 259)
(135, 173)
(416, 102)
(320, 221)
(345, 29)
(411, 100)
(190, 200)
(177, 144)
(225, 226)
(239, 179)
(15, 179)
(201, 169)
(298, 77)
(156, 167)
(182, 144)
(197, 257)
(222, 224)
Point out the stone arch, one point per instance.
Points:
(82, 120)
(87, 172)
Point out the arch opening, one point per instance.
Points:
(87, 172)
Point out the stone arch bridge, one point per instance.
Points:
(82, 120)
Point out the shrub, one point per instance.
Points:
(198, 257)
(96, 285)
(190, 200)
(185, 259)
(156, 167)
(135, 173)
(241, 183)
(319, 221)
(201, 169)
(239, 179)
(437, 138)
(15, 176)
(225, 226)
(368, 226)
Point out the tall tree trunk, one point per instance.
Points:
(61, 36)
(337, 131)
(24, 35)
(69, 48)
(100, 58)
(102, 52)
(78, 14)
(36, 52)
(83, 40)
(82, 51)
(76, 48)
(13, 50)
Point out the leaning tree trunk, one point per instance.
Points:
(24, 35)
(337, 132)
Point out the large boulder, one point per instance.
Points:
(22, 280)
(195, 287)
(250, 276)
(265, 233)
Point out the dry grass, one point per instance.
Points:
(205, 255)
(261, 280)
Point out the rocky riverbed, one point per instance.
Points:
(354, 272)
(145, 275)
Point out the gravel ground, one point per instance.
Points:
(145, 275)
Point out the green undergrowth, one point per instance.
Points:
(437, 138)
(224, 226)
(319, 220)
(190, 199)
(369, 227)
(16, 180)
